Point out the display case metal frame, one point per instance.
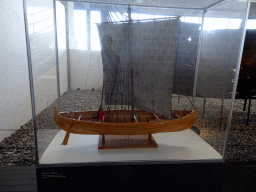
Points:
(204, 10)
(152, 175)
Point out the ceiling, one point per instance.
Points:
(185, 4)
(217, 8)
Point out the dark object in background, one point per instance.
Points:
(246, 87)
(247, 76)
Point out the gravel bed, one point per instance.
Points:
(19, 150)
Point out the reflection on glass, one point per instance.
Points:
(211, 23)
(95, 41)
(117, 16)
(37, 20)
(251, 24)
(80, 29)
(191, 19)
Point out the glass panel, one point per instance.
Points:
(41, 30)
(42, 41)
(221, 38)
(142, 73)
(220, 48)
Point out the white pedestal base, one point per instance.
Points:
(176, 146)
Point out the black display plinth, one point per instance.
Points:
(127, 177)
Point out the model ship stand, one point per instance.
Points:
(126, 141)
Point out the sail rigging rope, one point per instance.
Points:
(152, 52)
(120, 80)
(98, 81)
(88, 70)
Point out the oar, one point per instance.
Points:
(65, 140)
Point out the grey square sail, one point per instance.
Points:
(146, 49)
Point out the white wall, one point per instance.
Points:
(15, 105)
(86, 69)
(15, 108)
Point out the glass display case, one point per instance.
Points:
(133, 82)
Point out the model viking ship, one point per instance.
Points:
(138, 69)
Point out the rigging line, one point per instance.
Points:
(129, 30)
(117, 16)
(98, 81)
(122, 71)
(121, 13)
(109, 60)
(101, 99)
(88, 70)
(128, 76)
(190, 102)
(123, 61)
(117, 66)
(111, 16)
(115, 12)
(119, 85)
(108, 15)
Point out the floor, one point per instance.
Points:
(14, 179)
(239, 177)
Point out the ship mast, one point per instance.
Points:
(130, 61)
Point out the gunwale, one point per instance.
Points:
(123, 128)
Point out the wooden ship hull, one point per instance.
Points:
(120, 122)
